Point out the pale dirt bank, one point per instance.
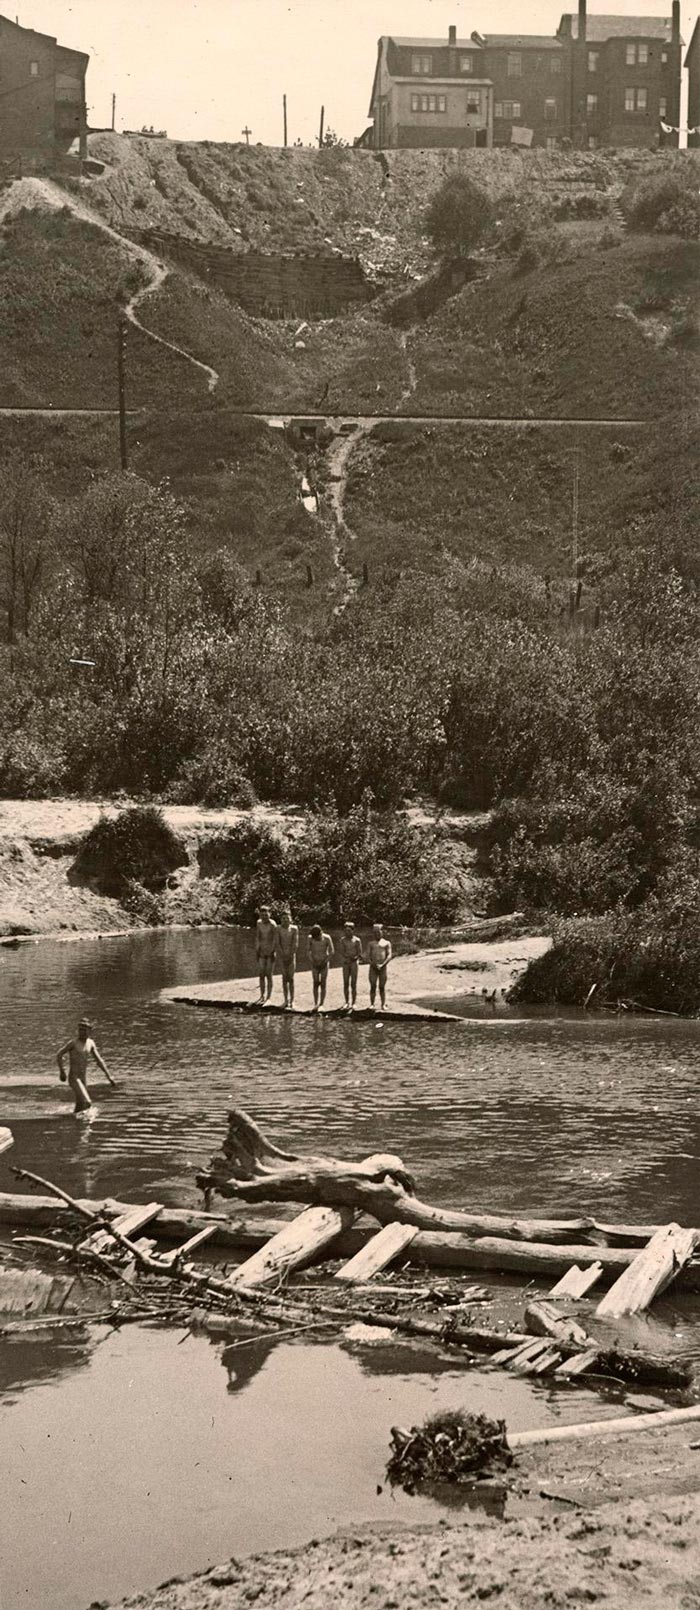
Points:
(629, 1553)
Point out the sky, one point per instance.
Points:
(207, 69)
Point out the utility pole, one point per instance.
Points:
(247, 133)
(284, 117)
(121, 355)
(574, 509)
(114, 113)
(320, 128)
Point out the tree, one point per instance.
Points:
(27, 538)
(458, 215)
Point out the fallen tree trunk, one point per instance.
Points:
(604, 1428)
(433, 1250)
(250, 1169)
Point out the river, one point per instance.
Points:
(125, 1457)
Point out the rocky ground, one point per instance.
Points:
(611, 1522)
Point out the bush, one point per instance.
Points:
(31, 766)
(458, 216)
(669, 205)
(137, 846)
(371, 866)
(212, 778)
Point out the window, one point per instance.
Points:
(473, 104)
(422, 64)
(591, 106)
(555, 64)
(498, 109)
(466, 64)
(551, 142)
(34, 69)
(507, 110)
(631, 55)
(635, 100)
(663, 106)
(642, 55)
(550, 111)
(593, 59)
(515, 64)
(664, 57)
(428, 103)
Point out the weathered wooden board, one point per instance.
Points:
(6, 1139)
(30, 1292)
(652, 1270)
(576, 1282)
(127, 1224)
(296, 1244)
(580, 1364)
(381, 1250)
(187, 1247)
(542, 1319)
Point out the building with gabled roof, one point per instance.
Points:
(42, 95)
(601, 80)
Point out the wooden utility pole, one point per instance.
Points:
(574, 510)
(284, 117)
(121, 356)
(114, 113)
(320, 127)
(247, 133)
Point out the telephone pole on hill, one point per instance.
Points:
(284, 117)
(320, 127)
(121, 366)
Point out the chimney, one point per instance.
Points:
(452, 36)
(581, 19)
(676, 22)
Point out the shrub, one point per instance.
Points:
(458, 216)
(212, 778)
(31, 766)
(137, 846)
(669, 205)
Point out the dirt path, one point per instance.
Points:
(45, 193)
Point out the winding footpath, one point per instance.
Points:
(45, 193)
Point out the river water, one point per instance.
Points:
(125, 1457)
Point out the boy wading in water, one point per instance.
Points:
(320, 952)
(351, 956)
(265, 947)
(380, 954)
(78, 1051)
(287, 946)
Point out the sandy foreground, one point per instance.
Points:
(613, 1522)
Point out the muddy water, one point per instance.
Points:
(273, 1443)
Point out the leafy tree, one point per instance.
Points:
(458, 216)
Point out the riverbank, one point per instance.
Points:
(614, 1521)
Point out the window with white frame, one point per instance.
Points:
(466, 64)
(551, 142)
(641, 100)
(664, 57)
(591, 106)
(663, 106)
(473, 101)
(550, 111)
(422, 64)
(642, 55)
(635, 99)
(508, 110)
(515, 64)
(593, 59)
(428, 103)
(631, 56)
(555, 63)
(34, 69)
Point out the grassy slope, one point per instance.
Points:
(506, 494)
(567, 339)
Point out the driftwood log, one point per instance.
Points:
(250, 1168)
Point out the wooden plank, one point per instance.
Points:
(576, 1282)
(6, 1139)
(381, 1250)
(580, 1364)
(631, 1423)
(296, 1244)
(542, 1319)
(197, 1240)
(135, 1218)
(545, 1362)
(652, 1270)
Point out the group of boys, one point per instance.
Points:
(279, 942)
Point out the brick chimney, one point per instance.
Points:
(452, 35)
(676, 22)
(581, 19)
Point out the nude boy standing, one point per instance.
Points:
(351, 956)
(265, 948)
(78, 1052)
(380, 954)
(320, 952)
(287, 947)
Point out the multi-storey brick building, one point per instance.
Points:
(42, 95)
(600, 80)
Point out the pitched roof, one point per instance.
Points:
(604, 26)
(434, 44)
(523, 41)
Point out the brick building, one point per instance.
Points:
(42, 95)
(600, 80)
